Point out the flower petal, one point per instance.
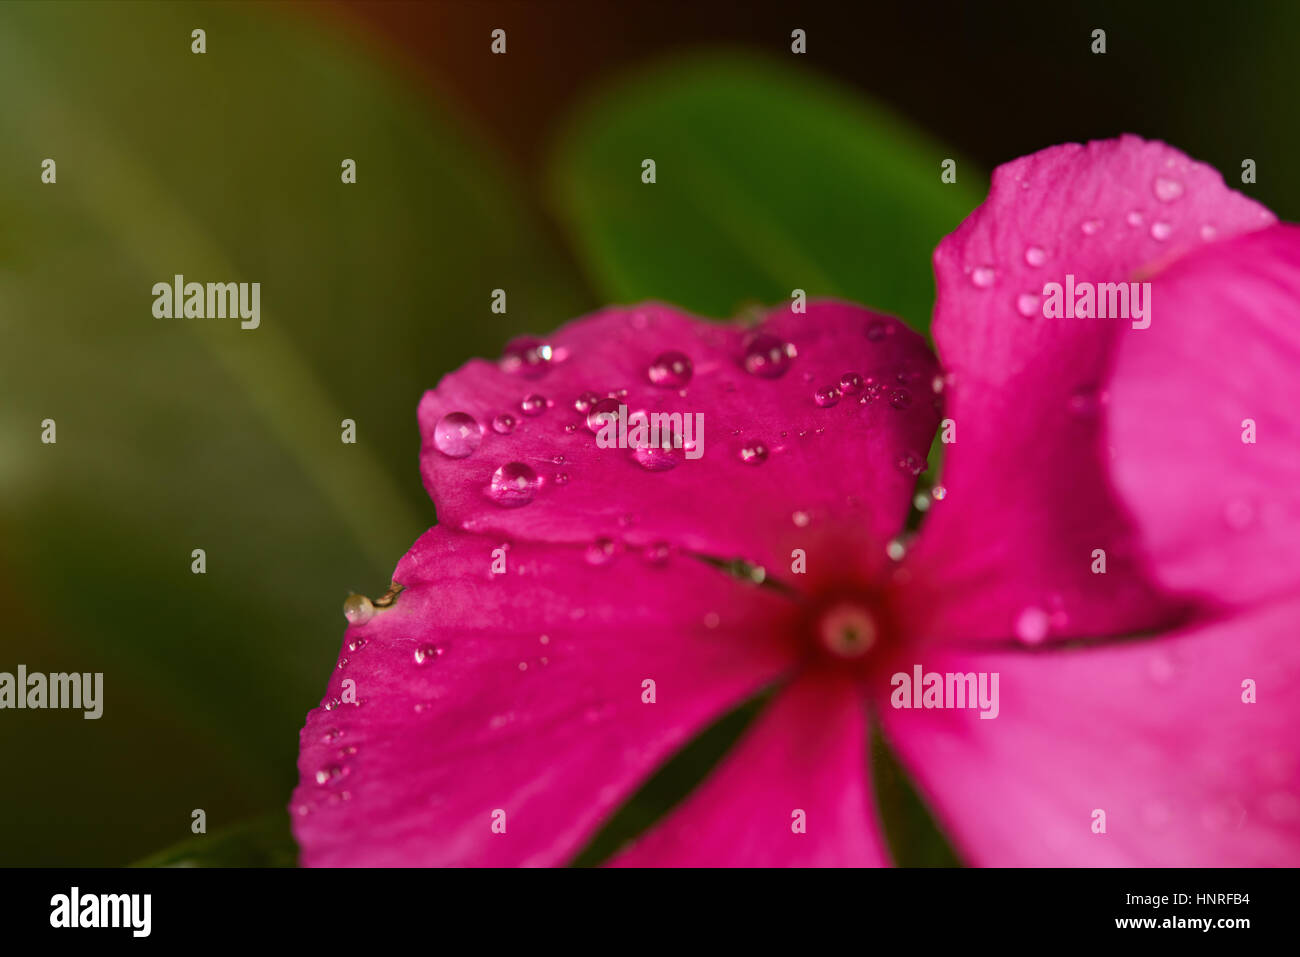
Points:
(805, 760)
(520, 693)
(1219, 514)
(1028, 497)
(1154, 733)
(769, 450)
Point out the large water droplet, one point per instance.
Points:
(755, 453)
(513, 485)
(1032, 625)
(1167, 190)
(1035, 255)
(526, 357)
(767, 356)
(826, 397)
(533, 405)
(603, 411)
(982, 276)
(457, 435)
(358, 610)
(671, 370)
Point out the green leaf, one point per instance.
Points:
(768, 179)
(261, 842)
(192, 433)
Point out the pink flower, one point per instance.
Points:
(560, 635)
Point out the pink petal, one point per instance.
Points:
(1028, 498)
(809, 466)
(528, 700)
(1154, 733)
(1219, 515)
(807, 753)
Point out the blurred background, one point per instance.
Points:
(474, 172)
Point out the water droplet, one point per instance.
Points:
(910, 464)
(1167, 190)
(1091, 227)
(356, 643)
(533, 405)
(877, 330)
(900, 398)
(671, 370)
(358, 610)
(896, 549)
(331, 734)
(1208, 233)
(656, 553)
(1035, 255)
(1028, 304)
(513, 485)
(600, 552)
(329, 774)
(850, 383)
(827, 397)
(583, 403)
(1161, 231)
(768, 357)
(425, 654)
(654, 460)
(526, 357)
(938, 493)
(755, 453)
(503, 424)
(982, 276)
(800, 519)
(1032, 625)
(1134, 218)
(871, 390)
(561, 478)
(457, 435)
(601, 413)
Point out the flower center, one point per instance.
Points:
(847, 630)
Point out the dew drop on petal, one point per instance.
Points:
(532, 405)
(800, 519)
(583, 403)
(1161, 231)
(1028, 304)
(513, 485)
(910, 464)
(900, 398)
(457, 435)
(755, 453)
(1167, 190)
(503, 424)
(671, 370)
(1208, 232)
(1035, 255)
(656, 553)
(600, 413)
(850, 383)
(358, 610)
(896, 549)
(561, 478)
(526, 357)
(654, 460)
(768, 357)
(982, 276)
(1134, 218)
(827, 397)
(1031, 626)
(1091, 227)
(426, 654)
(600, 552)
(938, 493)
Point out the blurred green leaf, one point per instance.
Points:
(262, 842)
(182, 434)
(768, 179)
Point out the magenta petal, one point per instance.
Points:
(522, 694)
(1220, 515)
(773, 459)
(1029, 500)
(1153, 733)
(805, 760)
